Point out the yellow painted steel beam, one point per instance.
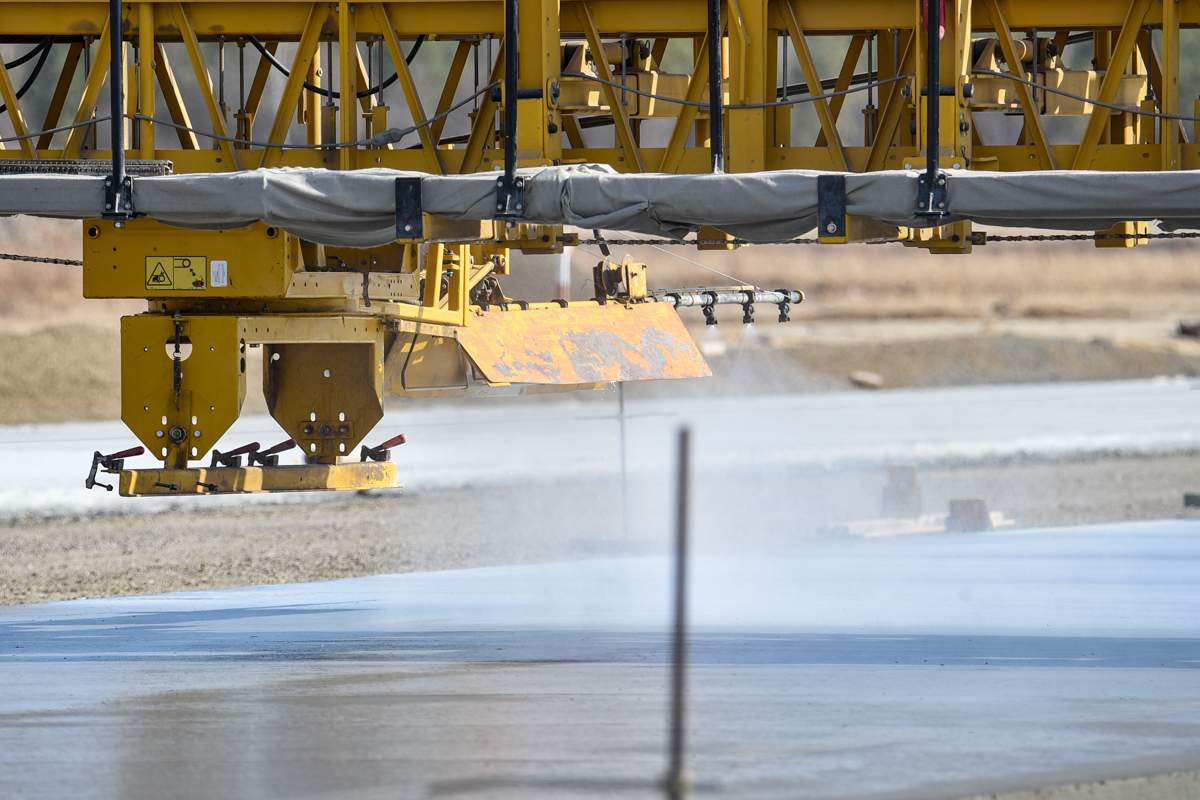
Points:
(15, 116)
(91, 94)
(361, 476)
(204, 81)
(348, 61)
(305, 51)
(828, 125)
(59, 98)
(1122, 50)
(174, 99)
(672, 156)
(1170, 131)
(433, 156)
(633, 160)
(453, 78)
(1033, 120)
(849, 65)
(483, 130)
(145, 82)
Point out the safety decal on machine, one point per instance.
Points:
(177, 273)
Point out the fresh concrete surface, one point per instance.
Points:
(937, 666)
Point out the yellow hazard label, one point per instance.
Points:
(177, 273)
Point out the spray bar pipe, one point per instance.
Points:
(726, 297)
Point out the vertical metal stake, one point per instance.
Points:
(678, 779)
(624, 461)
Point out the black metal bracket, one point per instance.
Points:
(510, 197)
(118, 198)
(931, 195)
(409, 221)
(831, 205)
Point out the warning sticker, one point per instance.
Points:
(177, 273)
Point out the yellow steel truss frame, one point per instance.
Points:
(546, 135)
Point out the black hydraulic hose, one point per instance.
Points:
(37, 48)
(37, 69)
(408, 59)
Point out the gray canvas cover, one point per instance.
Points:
(357, 208)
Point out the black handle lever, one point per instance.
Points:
(382, 452)
(111, 463)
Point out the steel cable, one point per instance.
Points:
(408, 59)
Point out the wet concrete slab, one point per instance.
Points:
(934, 666)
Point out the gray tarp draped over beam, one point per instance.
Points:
(357, 208)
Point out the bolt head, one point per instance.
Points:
(831, 227)
(921, 204)
(519, 206)
(499, 206)
(941, 205)
(408, 228)
(325, 430)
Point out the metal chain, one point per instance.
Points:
(1091, 237)
(40, 260)
(1057, 237)
(1054, 237)
(688, 242)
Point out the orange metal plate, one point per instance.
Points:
(582, 344)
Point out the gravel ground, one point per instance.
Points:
(1170, 786)
(45, 559)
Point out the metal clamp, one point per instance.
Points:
(234, 457)
(269, 458)
(748, 309)
(785, 307)
(382, 452)
(111, 463)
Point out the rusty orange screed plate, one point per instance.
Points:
(582, 344)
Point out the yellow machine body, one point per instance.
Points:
(341, 328)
